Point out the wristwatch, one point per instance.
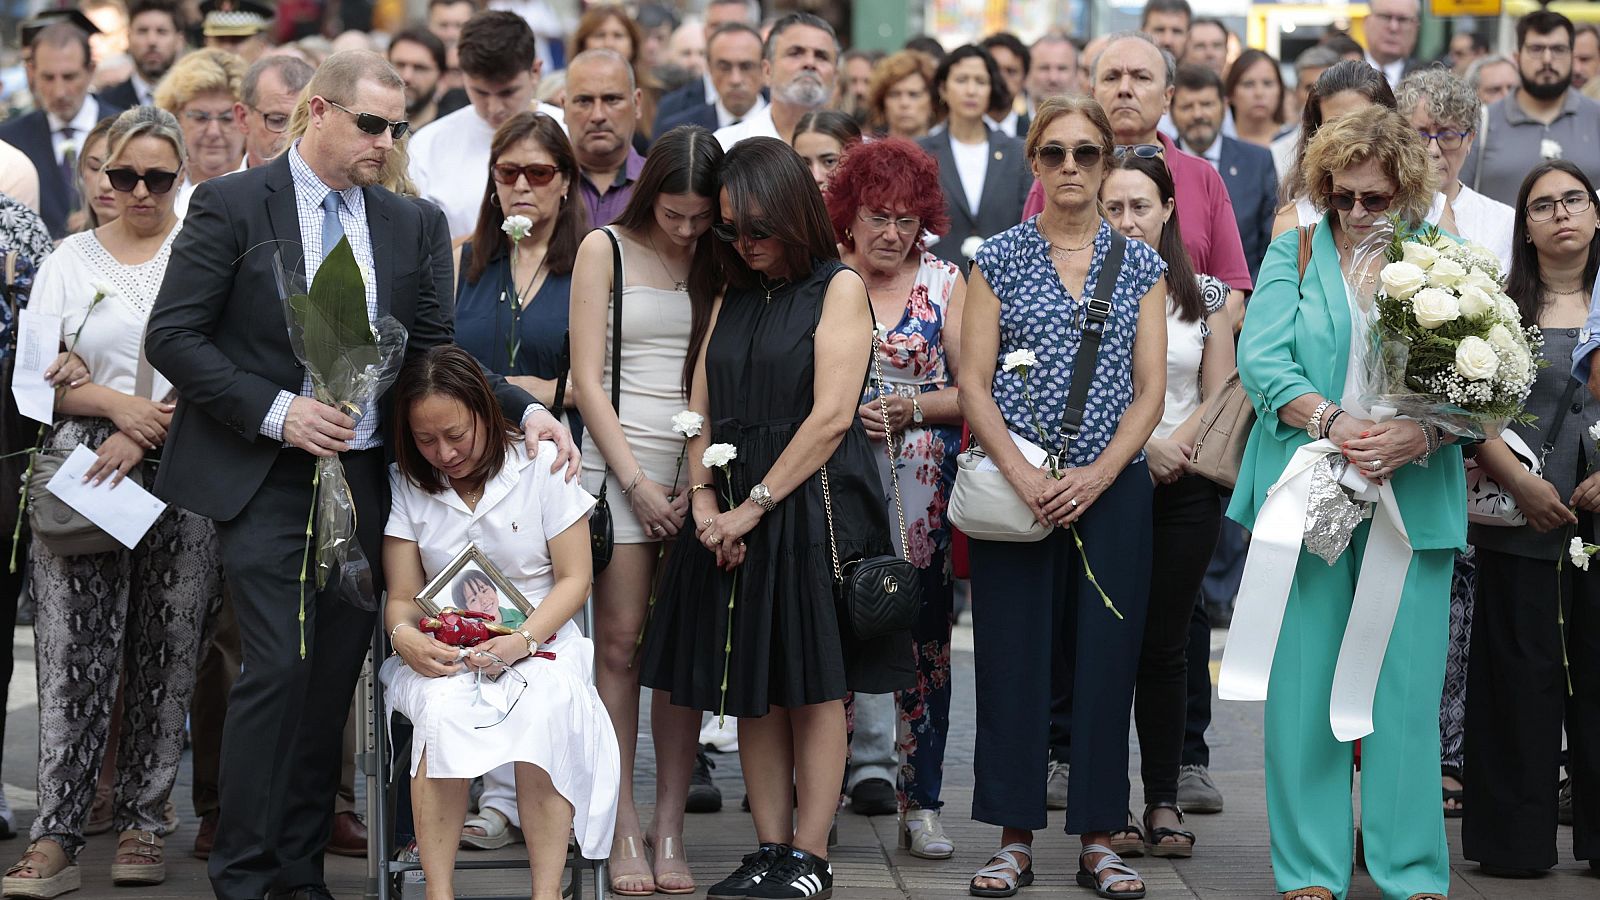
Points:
(916, 412)
(1314, 426)
(762, 497)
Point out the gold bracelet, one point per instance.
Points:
(699, 487)
(394, 631)
(533, 645)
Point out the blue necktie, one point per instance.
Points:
(332, 231)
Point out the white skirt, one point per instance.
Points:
(556, 723)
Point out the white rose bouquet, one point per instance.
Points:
(1448, 346)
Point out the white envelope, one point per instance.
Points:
(126, 511)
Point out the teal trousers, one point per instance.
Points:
(1309, 772)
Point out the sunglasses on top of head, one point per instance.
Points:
(1344, 201)
(1086, 156)
(373, 124)
(729, 233)
(158, 181)
(538, 174)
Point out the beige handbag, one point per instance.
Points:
(1228, 417)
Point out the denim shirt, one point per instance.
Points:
(1037, 313)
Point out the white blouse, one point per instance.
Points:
(1487, 222)
(1186, 344)
(113, 333)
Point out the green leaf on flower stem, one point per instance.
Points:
(339, 343)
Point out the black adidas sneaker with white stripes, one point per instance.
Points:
(754, 865)
(798, 875)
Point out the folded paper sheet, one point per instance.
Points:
(126, 511)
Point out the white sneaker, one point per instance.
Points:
(722, 738)
(1055, 786)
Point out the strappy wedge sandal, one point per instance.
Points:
(148, 865)
(1117, 871)
(1128, 841)
(1156, 841)
(1005, 866)
(1309, 893)
(44, 872)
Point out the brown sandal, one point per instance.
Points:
(42, 873)
(140, 859)
(1309, 893)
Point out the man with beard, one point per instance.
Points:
(155, 38)
(267, 97)
(1246, 169)
(246, 435)
(201, 91)
(420, 58)
(1547, 118)
(602, 110)
(801, 62)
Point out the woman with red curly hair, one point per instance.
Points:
(883, 199)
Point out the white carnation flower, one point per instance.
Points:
(103, 288)
(717, 456)
(1019, 359)
(1434, 306)
(1419, 254)
(1578, 552)
(1549, 149)
(969, 247)
(1594, 432)
(1476, 359)
(517, 227)
(1402, 279)
(1476, 302)
(688, 423)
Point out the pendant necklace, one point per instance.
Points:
(679, 286)
(768, 287)
(1064, 253)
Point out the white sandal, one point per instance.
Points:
(1007, 869)
(922, 834)
(497, 830)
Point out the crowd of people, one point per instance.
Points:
(705, 318)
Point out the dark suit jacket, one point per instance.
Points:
(1005, 189)
(31, 135)
(218, 331)
(687, 97)
(121, 94)
(704, 115)
(436, 234)
(1247, 172)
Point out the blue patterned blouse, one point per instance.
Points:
(1037, 313)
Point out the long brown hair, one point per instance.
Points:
(572, 221)
(1183, 290)
(448, 371)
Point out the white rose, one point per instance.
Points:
(1476, 302)
(1507, 308)
(1402, 279)
(517, 227)
(688, 423)
(1579, 554)
(1502, 339)
(717, 456)
(1483, 258)
(969, 247)
(1476, 360)
(1419, 254)
(1434, 307)
(1549, 149)
(1446, 272)
(1018, 359)
(1483, 281)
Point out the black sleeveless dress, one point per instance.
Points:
(789, 644)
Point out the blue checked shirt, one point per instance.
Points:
(309, 193)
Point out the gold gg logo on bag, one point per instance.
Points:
(890, 586)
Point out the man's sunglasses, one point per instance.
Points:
(730, 233)
(159, 181)
(1086, 156)
(538, 174)
(374, 124)
(1140, 151)
(1344, 201)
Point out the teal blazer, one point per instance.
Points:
(1296, 341)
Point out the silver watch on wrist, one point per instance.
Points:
(916, 412)
(761, 496)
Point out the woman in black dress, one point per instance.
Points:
(787, 402)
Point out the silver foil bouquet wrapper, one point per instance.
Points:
(1332, 513)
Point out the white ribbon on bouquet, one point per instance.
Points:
(1269, 576)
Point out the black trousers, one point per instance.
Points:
(1196, 752)
(1029, 602)
(284, 733)
(1517, 701)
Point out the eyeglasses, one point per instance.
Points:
(1554, 51)
(538, 174)
(275, 122)
(374, 124)
(1086, 156)
(1142, 151)
(1543, 210)
(202, 118)
(906, 225)
(159, 181)
(1344, 201)
(729, 233)
(1448, 140)
(1393, 19)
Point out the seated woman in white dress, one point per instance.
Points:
(461, 478)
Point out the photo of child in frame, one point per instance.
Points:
(471, 583)
(472, 589)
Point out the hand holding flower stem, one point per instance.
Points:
(687, 424)
(721, 456)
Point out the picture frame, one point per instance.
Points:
(471, 581)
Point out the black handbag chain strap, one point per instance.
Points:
(616, 346)
(1550, 433)
(1097, 311)
(894, 470)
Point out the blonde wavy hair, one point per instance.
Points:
(1375, 133)
(200, 72)
(394, 176)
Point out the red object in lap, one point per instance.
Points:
(461, 627)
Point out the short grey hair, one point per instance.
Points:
(1317, 56)
(1167, 59)
(1475, 70)
(340, 74)
(294, 72)
(1450, 101)
(603, 54)
(145, 121)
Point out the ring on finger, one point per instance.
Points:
(1074, 502)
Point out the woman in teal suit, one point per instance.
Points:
(1294, 356)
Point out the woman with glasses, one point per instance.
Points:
(883, 199)
(1029, 295)
(201, 89)
(822, 137)
(1534, 668)
(746, 621)
(1254, 89)
(1295, 363)
(982, 171)
(635, 461)
(1445, 111)
(137, 614)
